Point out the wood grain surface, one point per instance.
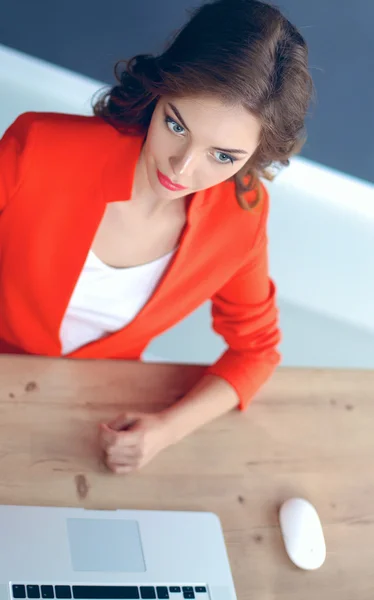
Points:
(309, 433)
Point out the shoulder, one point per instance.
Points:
(60, 133)
(63, 142)
(69, 129)
(241, 226)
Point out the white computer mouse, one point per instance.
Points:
(302, 534)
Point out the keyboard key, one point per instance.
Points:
(63, 591)
(148, 592)
(175, 589)
(47, 591)
(162, 592)
(187, 589)
(188, 595)
(200, 590)
(33, 591)
(19, 591)
(105, 592)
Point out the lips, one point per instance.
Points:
(168, 184)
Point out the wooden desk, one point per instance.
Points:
(310, 433)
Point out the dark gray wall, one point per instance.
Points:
(89, 36)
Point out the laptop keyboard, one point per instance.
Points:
(108, 592)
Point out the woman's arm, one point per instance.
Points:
(245, 315)
(210, 398)
(132, 440)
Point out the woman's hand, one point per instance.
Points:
(132, 440)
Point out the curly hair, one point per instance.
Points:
(242, 51)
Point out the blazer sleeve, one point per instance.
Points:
(245, 314)
(15, 146)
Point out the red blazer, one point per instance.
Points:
(57, 173)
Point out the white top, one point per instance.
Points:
(106, 299)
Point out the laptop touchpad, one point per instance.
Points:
(106, 545)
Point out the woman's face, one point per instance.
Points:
(196, 143)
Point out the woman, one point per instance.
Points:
(116, 226)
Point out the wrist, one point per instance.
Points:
(170, 426)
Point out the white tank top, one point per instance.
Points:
(106, 299)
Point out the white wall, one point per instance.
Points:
(322, 241)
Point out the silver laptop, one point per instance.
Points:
(75, 554)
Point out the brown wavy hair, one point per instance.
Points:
(243, 51)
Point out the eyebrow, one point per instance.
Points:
(224, 150)
(231, 150)
(178, 115)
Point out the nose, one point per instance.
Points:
(183, 164)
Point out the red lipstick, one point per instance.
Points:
(166, 182)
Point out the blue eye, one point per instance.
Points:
(224, 159)
(174, 126)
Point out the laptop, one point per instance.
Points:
(77, 554)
